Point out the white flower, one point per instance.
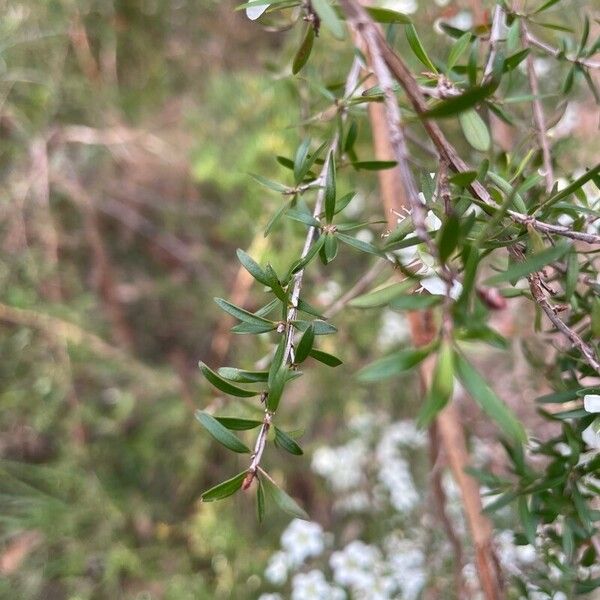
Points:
(408, 7)
(432, 221)
(353, 566)
(270, 597)
(277, 569)
(591, 435)
(591, 403)
(394, 329)
(255, 12)
(302, 539)
(313, 586)
(342, 466)
(435, 286)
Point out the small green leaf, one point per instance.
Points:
(461, 44)
(275, 219)
(302, 217)
(330, 188)
(415, 302)
(394, 364)
(224, 489)
(457, 104)
(329, 18)
(320, 327)
(374, 165)
(237, 424)
(512, 62)
(224, 385)
(475, 130)
(243, 315)
(251, 328)
(342, 202)
(358, 244)
(463, 179)
(283, 440)
(442, 386)
(448, 237)
(305, 345)
(276, 388)
(303, 53)
(534, 263)
(330, 248)
(221, 433)
(351, 137)
(417, 47)
(314, 250)
(527, 520)
(495, 408)
(386, 15)
(241, 376)
(252, 267)
(272, 185)
(545, 6)
(325, 358)
(283, 500)
(578, 183)
(381, 296)
(260, 501)
(300, 159)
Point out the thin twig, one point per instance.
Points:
(556, 53)
(538, 113)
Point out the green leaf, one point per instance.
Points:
(534, 263)
(417, 47)
(495, 408)
(329, 18)
(578, 183)
(260, 501)
(283, 500)
(558, 397)
(237, 424)
(545, 6)
(284, 441)
(305, 345)
(342, 202)
(224, 385)
(448, 237)
(275, 219)
(221, 433)
(314, 249)
(394, 364)
(458, 48)
(330, 188)
(386, 15)
(303, 52)
(358, 244)
(415, 302)
(275, 284)
(251, 328)
(272, 185)
(374, 165)
(442, 386)
(241, 376)
(276, 388)
(463, 179)
(302, 217)
(381, 296)
(252, 267)
(512, 62)
(330, 248)
(475, 130)
(457, 104)
(325, 358)
(301, 159)
(224, 489)
(527, 520)
(243, 315)
(320, 327)
(351, 137)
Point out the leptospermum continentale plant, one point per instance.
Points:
(516, 212)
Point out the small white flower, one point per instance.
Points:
(591, 403)
(277, 569)
(432, 221)
(591, 436)
(365, 235)
(270, 597)
(256, 11)
(302, 539)
(408, 7)
(435, 286)
(313, 586)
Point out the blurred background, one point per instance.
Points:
(128, 129)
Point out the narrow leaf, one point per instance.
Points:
(252, 267)
(325, 358)
(221, 433)
(381, 296)
(330, 188)
(224, 385)
(329, 18)
(305, 345)
(417, 47)
(284, 441)
(283, 500)
(394, 364)
(303, 53)
(475, 130)
(224, 489)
